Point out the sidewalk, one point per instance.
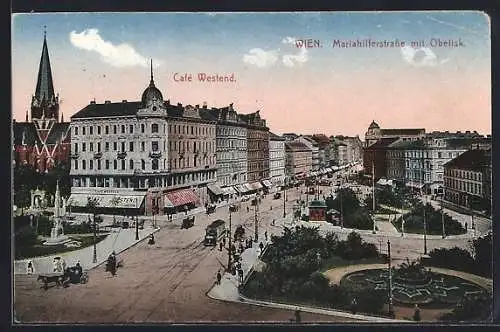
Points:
(116, 241)
(228, 289)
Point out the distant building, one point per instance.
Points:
(45, 140)
(467, 180)
(323, 149)
(374, 133)
(277, 159)
(298, 159)
(374, 157)
(313, 146)
(257, 150)
(231, 149)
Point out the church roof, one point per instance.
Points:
(374, 125)
(59, 130)
(44, 84)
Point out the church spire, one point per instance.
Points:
(44, 85)
(26, 120)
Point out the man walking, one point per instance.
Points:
(265, 235)
(219, 277)
(240, 275)
(220, 246)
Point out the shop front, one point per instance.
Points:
(181, 200)
(112, 202)
(216, 194)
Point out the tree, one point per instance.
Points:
(483, 255)
(473, 307)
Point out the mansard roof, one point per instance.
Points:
(402, 131)
(274, 137)
(296, 146)
(473, 160)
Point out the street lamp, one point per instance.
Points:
(341, 211)
(442, 219)
(284, 198)
(230, 244)
(373, 196)
(136, 228)
(391, 312)
(256, 239)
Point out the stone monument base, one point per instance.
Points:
(57, 241)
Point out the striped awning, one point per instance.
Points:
(241, 188)
(120, 201)
(215, 189)
(267, 183)
(228, 191)
(181, 197)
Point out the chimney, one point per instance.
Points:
(92, 102)
(179, 104)
(107, 102)
(124, 100)
(197, 106)
(204, 105)
(167, 102)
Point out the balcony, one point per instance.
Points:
(121, 155)
(98, 155)
(155, 154)
(74, 155)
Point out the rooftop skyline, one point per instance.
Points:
(326, 89)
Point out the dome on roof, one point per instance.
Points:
(151, 93)
(374, 125)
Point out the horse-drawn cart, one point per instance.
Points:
(187, 222)
(72, 275)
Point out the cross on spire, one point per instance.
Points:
(44, 31)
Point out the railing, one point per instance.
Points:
(155, 154)
(98, 155)
(121, 155)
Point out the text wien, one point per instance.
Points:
(307, 43)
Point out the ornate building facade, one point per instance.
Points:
(257, 148)
(141, 157)
(374, 133)
(45, 140)
(277, 159)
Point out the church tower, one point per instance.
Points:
(44, 104)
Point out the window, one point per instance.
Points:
(84, 147)
(75, 148)
(91, 147)
(131, 129)
(131, 164)
(143, 146)
(98, 130)
(106, 130)
(76, 164)
(106, 146)
(98, 146)
(83, 130)
(192, 130)
(131, 146)
(154, 128)
(142, 128)
(123, 129)
(123, 164)
(91, 164)
(114, 129)
(115, 146)
(98, 163)
(107, 164)
(169, 128)
(76, 131)
(84, 164)
(123, 147)
(154, 164)
(154, 145)
(143, 164)
(115, 164)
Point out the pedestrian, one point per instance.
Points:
(220, 246)
(30, 268)
(265, 235)
(297, 316)
(273, 222)
(416, 314)
(261, 246)
(466, 226)
(241, 248)
(354, 305)
(54, 265)
(219, 277)
(224, 241)
(248, 209)
(240, 274)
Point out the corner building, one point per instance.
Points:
(146, 157)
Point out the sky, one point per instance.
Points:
(327, 89)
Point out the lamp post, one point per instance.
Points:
(256, 238)
(341, 211)
(390, 276)
(442, 219)
(137, 228)
(373, 196)
(284, 198)
(230, 244)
